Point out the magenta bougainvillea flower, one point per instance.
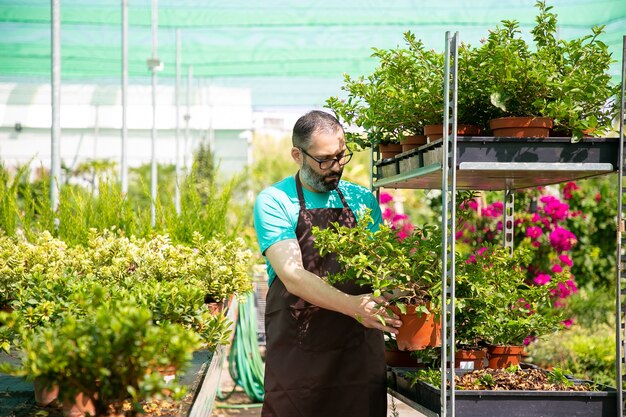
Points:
(568, 189)
(562, 239)
(385, 198)
(542, 279)
(553, 207)
(566, 260)
(534, 232)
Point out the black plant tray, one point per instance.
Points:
(508, 403)
(490, 163)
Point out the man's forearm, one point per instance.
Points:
(315, 290)
(286, 259)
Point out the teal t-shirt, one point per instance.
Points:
(276, 210)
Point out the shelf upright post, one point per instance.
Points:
(620, 321)
(448, 220)
(509, 221)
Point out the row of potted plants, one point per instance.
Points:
(564, 85)
(494, 303)
(103, 323)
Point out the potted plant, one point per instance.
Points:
(106, 357)
(402, 100)
(554, 82)
(393, 104)
(496, 305)
(406, 271)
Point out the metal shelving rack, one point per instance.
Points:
(507, 164)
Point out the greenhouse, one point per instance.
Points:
(320, 209)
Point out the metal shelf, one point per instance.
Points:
(488, 163)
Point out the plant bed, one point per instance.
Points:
(17, 399)
(545, 400)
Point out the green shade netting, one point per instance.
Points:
(252, 40)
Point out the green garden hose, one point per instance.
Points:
(245, 365)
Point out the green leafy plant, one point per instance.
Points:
(567, 81)
(110, 355)
(407, 270)
(401, 95)
(429, 376)
(515, 311)
(559, 376)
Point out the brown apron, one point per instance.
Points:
(320, 363)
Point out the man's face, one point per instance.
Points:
(324, 146)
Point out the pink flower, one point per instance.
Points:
(567, 190)
(572, 286)
(598, 198)
(554, 208)
(471, 260)
(556, 268)
(542, 279)
(402, 235)
(536, 244)
(388, 214)
(494, 209)
(399, 217)
(536, 218)
(566, 260)
(562, 239)
(533, 232)
(385, 198)
(529, 339)
(568, 323)
(481, 251)
(564, 290)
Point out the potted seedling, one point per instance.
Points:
(406, 271)
(498, 307)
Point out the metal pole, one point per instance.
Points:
(124, 161)
(55, 162)
(445, 388)
(187, 116)
(452, 231)
(153, 164)
(619, 319)
(177, 101)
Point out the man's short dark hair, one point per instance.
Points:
(312, 122)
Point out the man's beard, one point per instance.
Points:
(319, 182)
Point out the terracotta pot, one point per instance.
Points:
(521, 127)
(45, 393)
(78, 406)
(389, 150)
(434, 132)
(214, 306)
(470, 359)
(418, 330)
(399, 358)
(412, 142)
(504, 356)
(587, 133)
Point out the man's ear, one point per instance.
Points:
(296, 155)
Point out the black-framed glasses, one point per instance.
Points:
(329, 163)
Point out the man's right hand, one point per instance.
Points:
(369, 311)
